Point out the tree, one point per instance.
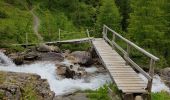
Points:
(124, 6)
(109, 15)
(147, 26)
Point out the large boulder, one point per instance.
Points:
(10, 92)
(165, 74)
(51, 56)
(46, 48)
(61, 69)
(17, 58)
(69, 71)
(81, 57)
(31, 56)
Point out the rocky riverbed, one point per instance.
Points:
(54, 74)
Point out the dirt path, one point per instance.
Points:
(36, 23)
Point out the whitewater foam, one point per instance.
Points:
(4, 60)
(157, 85)
(47, 71)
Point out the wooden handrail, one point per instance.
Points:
(133, 45)
(128, 59)
(126, 54)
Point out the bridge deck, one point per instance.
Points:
(126, 79)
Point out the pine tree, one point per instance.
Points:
(109, 15)
(147, 25)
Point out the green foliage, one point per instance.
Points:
(2, 77)
(74, 47)
(147, 28)
(102, 93)
(109, 15)
(14, 24)
(29, 93)
(161, 96)
(125, 9)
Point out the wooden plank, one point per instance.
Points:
(128, 79)
(135, 91)
(129, 82)
(121, 71)
(125, 75)
(132, 88)
(131, 85)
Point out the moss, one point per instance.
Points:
(1, 95)
(2, 77)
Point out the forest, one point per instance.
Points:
(144, 22)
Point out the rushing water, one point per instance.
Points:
(47, 71)
(157, 84)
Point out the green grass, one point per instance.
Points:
(2, 77)
(15, 22)
(161, 96)
(102, 93)
(29, 92)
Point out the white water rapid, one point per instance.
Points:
(47, 71)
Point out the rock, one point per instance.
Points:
(31, 56)
(2, 50)
(82, 57)
(165, 74)
(70, 71)
(51, 56)
(46, 48)
(66, 53)
(16, 83)
(54, 48)
(61, 70)
(17, 58)
(10, 92)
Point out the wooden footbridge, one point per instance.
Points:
(122, 69)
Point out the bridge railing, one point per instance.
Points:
(126, 52)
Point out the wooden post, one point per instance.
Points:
(103, 31)
(26, 37)
(114, 37)
(128, 52)
(128, 49)
(151, 73)
(88, 35)
(59, 33)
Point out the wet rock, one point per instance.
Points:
(46, 48)
(70, 71)
(10, 92)
(17, 58)
(3, 50)
(2, 61)
(51, 56)
(31, 56)
(15, 85)
(165, 74)
(81, 57)
(61, 69)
